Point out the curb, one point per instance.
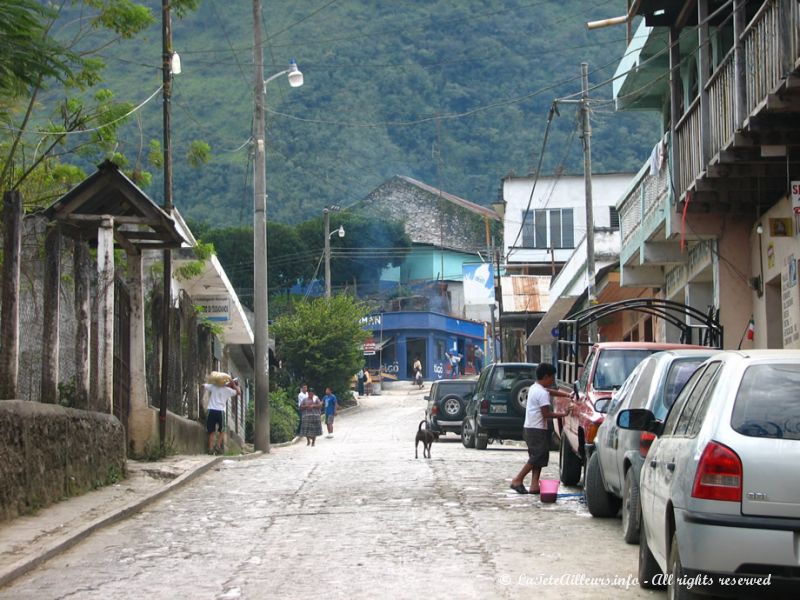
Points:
(26, 565)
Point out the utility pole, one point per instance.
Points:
(326, 217)
(166, 319)
(586, 135)
(260, 300)
(493, 340)
(499, 297)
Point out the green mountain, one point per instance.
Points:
(455, 94)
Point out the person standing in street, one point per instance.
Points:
(220, 388)
(331, 405)
(361, 377)
(454, 357)
(310, 426)
(300, 397)
(478, 360)
(535, 431)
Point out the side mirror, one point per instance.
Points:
(426, 398)
(602, 405)
(637, 419)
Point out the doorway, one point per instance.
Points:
(415, 348)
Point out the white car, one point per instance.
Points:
(720, 487)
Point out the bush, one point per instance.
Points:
(283, 418)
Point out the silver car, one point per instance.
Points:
(720, 487)
(612, 475)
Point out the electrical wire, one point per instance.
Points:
(90, 130)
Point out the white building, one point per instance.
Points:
(556, 219)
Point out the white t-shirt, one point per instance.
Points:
(538, 397)
(300, 397)
(218, 396)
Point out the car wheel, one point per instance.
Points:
(453, 407)
(676, 588)
(519, 396)
(601, 504)
(631, 509)
(481, 439)
(569, 465)
(648, 567)
(467, 434)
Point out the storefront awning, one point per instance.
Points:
(542, 335)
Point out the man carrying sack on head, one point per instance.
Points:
(220, 388)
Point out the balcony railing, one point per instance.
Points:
(762, 53)
(689, 143)
(647, 194)
(722, 98)
(765, 65)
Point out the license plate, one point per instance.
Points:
(499, 408)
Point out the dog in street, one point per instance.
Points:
(427, 437)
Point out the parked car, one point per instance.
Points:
(605, 369)
(446, 403)
(496, 409)
(612, 473)
(720, 493)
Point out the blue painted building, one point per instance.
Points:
(398, 338)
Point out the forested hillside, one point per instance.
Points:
(455, 94)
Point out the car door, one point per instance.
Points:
(671, 453)
(607, 440)
(480, 391)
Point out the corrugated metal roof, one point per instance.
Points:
(525, 293)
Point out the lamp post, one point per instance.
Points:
(260, 302)
(326, 217)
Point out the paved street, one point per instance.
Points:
(355, 517)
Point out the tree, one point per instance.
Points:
(80, 119)
(320, 342)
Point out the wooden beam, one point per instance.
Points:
(51, 310)
(126, 245)
(9, 327)
(82, 322)
(105, 316)
(127, 220)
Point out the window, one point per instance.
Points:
(614, 366)
(641, 393)
(613, 217)
(678, 374)
(761, 412)
(692, 415)
(680, 402)
(553, 228)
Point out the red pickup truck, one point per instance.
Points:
(606, 367)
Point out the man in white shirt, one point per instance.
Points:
(302, 395)
(535, 431)
(218, 396)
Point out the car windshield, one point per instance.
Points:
(506, 376)
(766, 403)
(614, 366)
(678, 375)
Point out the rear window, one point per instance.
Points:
(460, 389)
(614, 366)
(767, 404)
(678, 375)
(506, 377)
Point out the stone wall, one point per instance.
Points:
(50, 452)
(428, 219)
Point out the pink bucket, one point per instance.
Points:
(548, 489)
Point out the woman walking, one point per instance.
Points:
(310, 426)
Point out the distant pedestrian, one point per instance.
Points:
(220, 388)
(361, 378)
(535, 431)
(311, 426)
(478, 359)
(331, 407)
(455, 358)
(300, 397)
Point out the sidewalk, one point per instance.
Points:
(28, 541)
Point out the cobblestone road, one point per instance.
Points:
(355, 517)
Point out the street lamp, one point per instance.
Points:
(260, 301)
(326, 216)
